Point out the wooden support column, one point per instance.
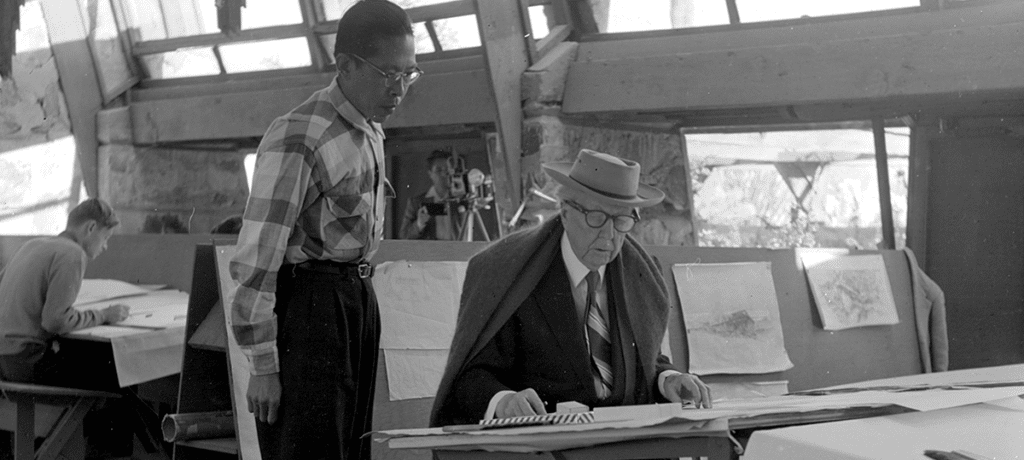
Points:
(921, 134)
(884, 196)
(78, 79)
(504, 36)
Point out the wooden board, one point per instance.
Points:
(963, 60)
(461, 97)
(68, 38)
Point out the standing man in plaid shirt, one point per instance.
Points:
(304, 312)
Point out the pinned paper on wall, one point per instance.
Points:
(850, 291)
(419, 303)
(414, 373)
(732, 318)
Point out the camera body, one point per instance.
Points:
(471, 185)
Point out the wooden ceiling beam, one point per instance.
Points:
(245, 109)
(964, 60)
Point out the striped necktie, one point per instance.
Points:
(599, 338)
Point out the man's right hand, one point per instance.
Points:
(264, 396)
(115, 313)
(525, 402)
(422, 217)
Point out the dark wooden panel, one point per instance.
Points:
(976, 245)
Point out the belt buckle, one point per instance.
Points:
(365, 270)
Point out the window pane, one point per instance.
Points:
(539, 22)
(760, 10)
(422, 38)
(266, 13)
(456, 33)
(266, 55)
(334, 9)
(639, 15)
(814, 188)
(189, 62)
(156, 19)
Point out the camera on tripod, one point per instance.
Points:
(470, 191)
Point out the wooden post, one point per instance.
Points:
(501, 32)
(884, 196)
(69, 40)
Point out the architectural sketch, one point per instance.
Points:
(732, 318)
(851, 291)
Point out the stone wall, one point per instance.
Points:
(39, 178)
(166, 190)
(550, 136)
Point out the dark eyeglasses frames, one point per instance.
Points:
(596, 218)
(408, 77)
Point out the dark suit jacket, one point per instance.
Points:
(543, 347)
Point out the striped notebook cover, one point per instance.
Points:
(533, 420)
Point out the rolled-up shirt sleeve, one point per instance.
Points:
(280, 182)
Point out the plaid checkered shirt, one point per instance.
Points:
(317, 193)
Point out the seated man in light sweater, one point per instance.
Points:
(38, 287)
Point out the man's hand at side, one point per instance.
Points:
(422, 218)
(687, 387)
(115, 313)
(525, 402)
(264, 396)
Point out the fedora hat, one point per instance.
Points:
(605, 178)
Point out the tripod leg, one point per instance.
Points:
(483, 228)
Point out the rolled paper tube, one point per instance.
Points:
(198, 425)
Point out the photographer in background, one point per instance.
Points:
(427, 215)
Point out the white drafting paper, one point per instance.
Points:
(850, 291)
(419, 302)
(414, 373)
(152, 310)
(245, 422)
(732, 318)
(551, 437)
(108, 332)
(98, 290)
(143, 357)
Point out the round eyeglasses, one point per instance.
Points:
(408, 77)
(596, 218)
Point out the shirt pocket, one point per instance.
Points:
(350, 211)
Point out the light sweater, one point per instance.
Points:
(37, 290)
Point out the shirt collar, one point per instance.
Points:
(349, 112)
(577, 271)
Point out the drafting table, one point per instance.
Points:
(990, 430)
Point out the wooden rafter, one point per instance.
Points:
(9, 24)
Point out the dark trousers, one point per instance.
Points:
(328, 332)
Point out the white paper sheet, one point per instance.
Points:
(414, 373)
(245, 423)
(107, 332)
(148, 356)
(732, 318)
(419, 302)
(982, 429)
(98, 290)
(152, 310)
(850, 291)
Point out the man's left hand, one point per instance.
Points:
(687, 387)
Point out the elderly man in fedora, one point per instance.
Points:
(572, 310)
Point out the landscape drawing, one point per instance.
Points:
(851, 291)
(732, 318)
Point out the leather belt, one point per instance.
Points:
(361, 269)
